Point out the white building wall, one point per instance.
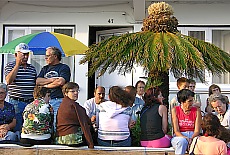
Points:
(202, 14)
(82, 18)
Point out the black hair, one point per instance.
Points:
(184, 94)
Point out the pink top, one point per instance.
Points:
(209, 145)
(186, 121)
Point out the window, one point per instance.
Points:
(12, 33)
(193, 32)
(198, 35)
(218, 36)
(221, 38)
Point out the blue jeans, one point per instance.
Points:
(55, 103)
(10, 136)
(126, 142)
(180, 144)
(19, 107)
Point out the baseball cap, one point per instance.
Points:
(22, 47)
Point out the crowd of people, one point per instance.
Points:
(43, 109)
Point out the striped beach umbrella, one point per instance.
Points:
(38, 42)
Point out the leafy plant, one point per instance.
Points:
(159, 49)
(169, 129)
(136, 133)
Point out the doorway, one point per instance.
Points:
(97, 34)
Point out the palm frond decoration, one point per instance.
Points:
(159, 48)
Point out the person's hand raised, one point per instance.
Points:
(19, 58)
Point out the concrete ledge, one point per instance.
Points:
(13, 149)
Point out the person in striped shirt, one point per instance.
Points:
(20, 78)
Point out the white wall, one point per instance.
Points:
(202, 14)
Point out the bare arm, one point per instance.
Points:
(175, 124)
(12, 75)
(50, 82)
(12, 124)
(44, 81)
(9, 126)
(197, 123)
(163, 114)
(56, 83)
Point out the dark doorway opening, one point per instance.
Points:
(92, 40)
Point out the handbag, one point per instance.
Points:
(192, 153)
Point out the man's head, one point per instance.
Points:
(22, 51)
(182, 83)
(99, 94)
(192, 84)
(140, 87)
(53, 56)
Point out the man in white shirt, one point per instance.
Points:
(91, 104)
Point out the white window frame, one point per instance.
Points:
(71, 27)
(28, 30)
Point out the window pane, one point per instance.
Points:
(13, 34)
(221, 38)
(38, 61)
(36, 31)
(198, 35)
(67, 60)
(68, 32)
